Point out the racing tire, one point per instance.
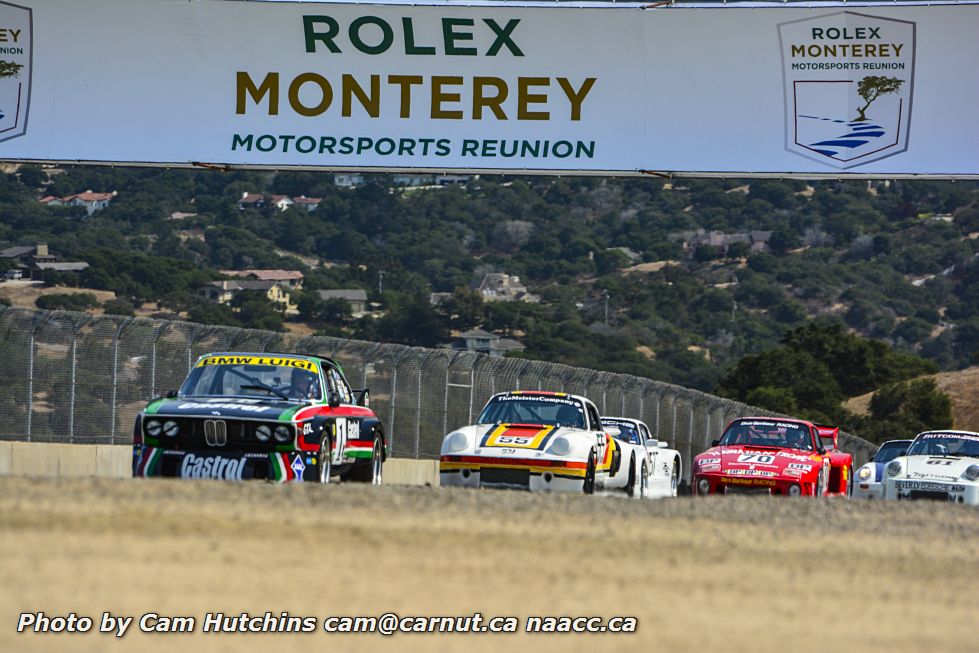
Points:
(849, 481)
(675, 480)
(630, 487)
(372, 473)
(817, 489)
(326, 459)
(588, 487)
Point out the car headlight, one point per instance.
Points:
(456, 442)
(263, 433)
(171, 429)
(894, 468)
(703, 486)
(972, 472)
(154, 427)
(865, 473)
(283, 433)
(560, 447)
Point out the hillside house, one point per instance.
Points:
(91, 201)
(757, 241)
(291, 279)
(500, 287)
(479, 341)
(224, 291)
(356, 297)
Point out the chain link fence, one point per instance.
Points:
(77, 378)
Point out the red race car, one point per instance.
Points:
(765, 455)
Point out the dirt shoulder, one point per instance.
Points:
(732, 574)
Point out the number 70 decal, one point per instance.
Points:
(761, 458)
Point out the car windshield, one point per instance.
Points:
(945, 444)
(533, 409)
(890, 450)
(765, 433)
(628, 431)
(276, 377)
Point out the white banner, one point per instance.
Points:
(832, 90)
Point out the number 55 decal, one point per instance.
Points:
(340, 429)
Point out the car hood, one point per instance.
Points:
(759, 461)
(936, 468)
(228, 407)
(517, 439)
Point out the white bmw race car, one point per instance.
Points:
(541, 441)
(941, 465)
(659, 466)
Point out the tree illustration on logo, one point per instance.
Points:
(9, 69)
(872, 87)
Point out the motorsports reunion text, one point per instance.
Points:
(386, 624)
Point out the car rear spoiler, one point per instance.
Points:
(829, 436)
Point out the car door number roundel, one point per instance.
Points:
(341, 428)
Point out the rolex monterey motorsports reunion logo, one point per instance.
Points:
(848, 85)
(15, 69)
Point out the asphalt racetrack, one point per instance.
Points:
(718, 574)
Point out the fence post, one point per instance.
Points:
(156, 340)
(418, 408)
(74, 364)
(41, 320)
(674, 418)
(472, 389)
(30, 381)
(115, 375)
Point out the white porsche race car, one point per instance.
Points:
(541, 441)
(869, 480)
(659, 466)
(941, 465)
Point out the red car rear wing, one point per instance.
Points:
(829, 435)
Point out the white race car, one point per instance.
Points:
(869, 481)
(659, 466)
(541, 441)
(942, 465)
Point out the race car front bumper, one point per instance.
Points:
(279, 466)
(721, 484)
(870, 490)
(532, 475)
(955, 492)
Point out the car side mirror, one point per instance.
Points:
(904, 452)
(651, 442)
(821, 449)
(363, 397)
(171, 394)
(714, 443)
(334, 401)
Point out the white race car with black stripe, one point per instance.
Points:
(657, 465)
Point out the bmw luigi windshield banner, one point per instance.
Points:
(749, 89)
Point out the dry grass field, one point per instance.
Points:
(723, 574)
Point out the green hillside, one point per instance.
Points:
(894, 261)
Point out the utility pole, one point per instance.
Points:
(380, 281)
(605, 295)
